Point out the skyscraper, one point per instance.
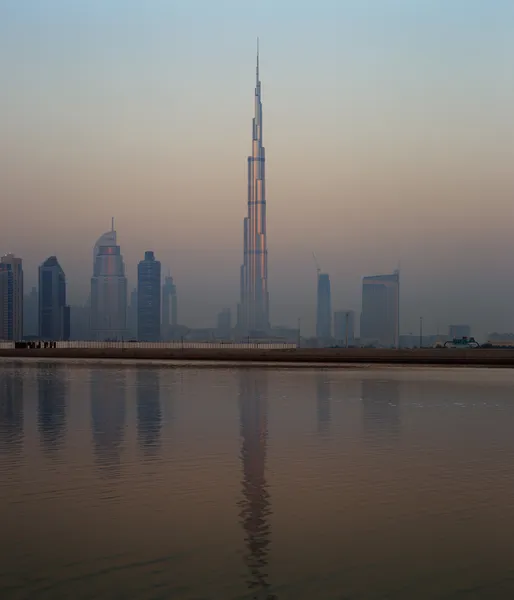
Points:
(31, 313)
(253, 309)
(380, 317)
(224, 325)
(344, 327)
(108, 290)
(54, 314)
(132, 314)
(169, 308)
(324, 308)
(17, 306)
(149, 299)
(6, 302)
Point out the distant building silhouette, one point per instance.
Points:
(17, 297)
(459, 331)
(6, 302)
(324, 308)
(380, 317)
(31, 313)
(344, 327)
(108, 290)
(132, 314)
(80, 322)
(169, 308)
(224, 325)
(54, 313)
(149, 299)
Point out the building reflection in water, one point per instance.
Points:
(323, 402)
(149, 413)
(108, 418)
(255, 503)
(52, 390)
(11, 409)
(381, 407)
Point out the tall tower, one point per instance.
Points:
(108, 290)
(324, 308)
(149, 299)
(380, 316)
(17, 300)
(6, 302)
(253, 309)
(54, 314)
(169, 308)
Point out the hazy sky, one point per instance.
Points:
(388, 126)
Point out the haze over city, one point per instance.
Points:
(388, 129)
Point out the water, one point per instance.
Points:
(150, 482)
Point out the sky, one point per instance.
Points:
(389, 135)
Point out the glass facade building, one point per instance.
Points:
(149, 299)
(54, 313)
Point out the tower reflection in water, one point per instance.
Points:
(11, 409)
(108, 416)
(149, 414)
(52, 391)
(381, 407)
(255, 503)
(323, 402)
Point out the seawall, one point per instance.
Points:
(440, 357)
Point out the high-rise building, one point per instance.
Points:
(31, 313)
(224, 328)
(54, 313)
(324, 308)
(253, 309)
(108, 290)
(380, 317)
(149, 299)
(132, 314)
(17, 307)
(80, 323)
(459, 331)
(6, 302)
(169, 308)
(344, 327)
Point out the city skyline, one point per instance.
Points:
(388, 138)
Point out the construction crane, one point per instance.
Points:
(318, 270)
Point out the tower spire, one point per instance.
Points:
(257, 72)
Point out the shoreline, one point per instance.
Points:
(290, 358)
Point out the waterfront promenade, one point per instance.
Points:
(290, 355)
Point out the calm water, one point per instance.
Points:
(152, 482)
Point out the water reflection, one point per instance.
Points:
(11, 410)
(149, 414)
(323, 403)
(255, 504)
(108, 416)
(381, 407)
(52, 393)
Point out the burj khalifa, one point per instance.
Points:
(253, 309)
